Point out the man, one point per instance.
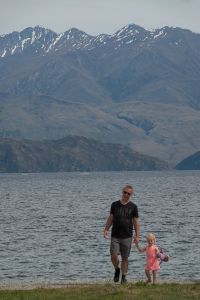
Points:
(123, 217)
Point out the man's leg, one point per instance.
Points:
(124, 265)
(115, 260)
(114, 252)
(125, 247)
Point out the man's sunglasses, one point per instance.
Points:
(126, 193)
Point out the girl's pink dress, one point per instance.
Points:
(152, 262)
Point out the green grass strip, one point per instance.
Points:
(168, 291)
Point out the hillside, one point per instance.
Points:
(71, 154)
(190, 163)
(136, 87)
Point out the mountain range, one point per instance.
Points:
(136, 87)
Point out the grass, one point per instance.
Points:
(168, 291)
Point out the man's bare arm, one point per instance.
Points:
(137, 229)
(108, 225)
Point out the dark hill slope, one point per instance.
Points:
(190, 163)
(71, 154)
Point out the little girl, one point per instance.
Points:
(152, 261)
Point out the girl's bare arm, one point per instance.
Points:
(140, 249)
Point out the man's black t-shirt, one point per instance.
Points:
(122, 219)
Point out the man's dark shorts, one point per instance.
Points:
(120, 246)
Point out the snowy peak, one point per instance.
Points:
(130, 30)
(70, 40)
(129, 35)
(75, 34)
(172, 36)
(32, 39)
(37, 34)
(76, 39)
(41, 41)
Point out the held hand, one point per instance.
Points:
(105, 234)
(136, 240)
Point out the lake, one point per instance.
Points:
(51, 224)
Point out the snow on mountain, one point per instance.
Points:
(32, 39)
(71, 39)
(41, 41)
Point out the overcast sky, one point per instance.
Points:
(98, 16)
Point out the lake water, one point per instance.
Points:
(51, 225)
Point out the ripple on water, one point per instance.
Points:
(51, 224)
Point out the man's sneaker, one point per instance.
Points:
(123, 280)
(116, 275)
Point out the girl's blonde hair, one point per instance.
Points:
(151, 236)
